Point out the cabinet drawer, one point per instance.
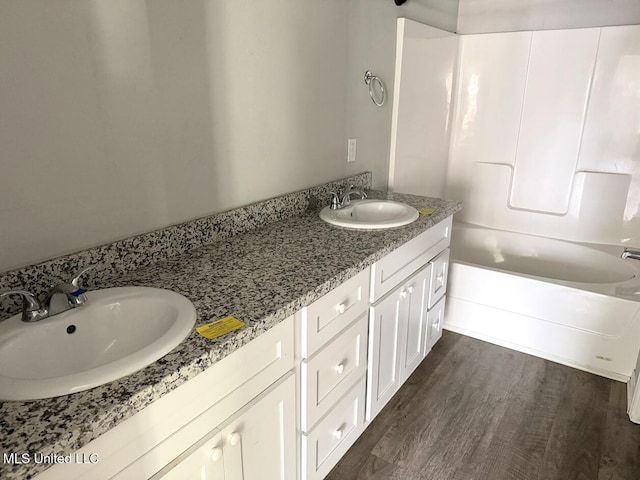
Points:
(329, 374)
(435, 319)
(325, 317)
(439, 274)
(403, 261)
(332, 437)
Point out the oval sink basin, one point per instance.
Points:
(117, 332)
(371, 214)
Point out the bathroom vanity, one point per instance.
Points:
(336, 320)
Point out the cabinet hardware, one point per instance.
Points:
(234, 439)
(215, 454)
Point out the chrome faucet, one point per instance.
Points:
(65, 296)
(629, 253)
(32, 310)
(58, 299)
(338, 203)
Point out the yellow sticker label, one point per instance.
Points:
(217, 328)
(426, 211)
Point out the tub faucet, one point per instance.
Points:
(629, 253)
(338, 203)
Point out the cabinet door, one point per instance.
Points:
(385, 331)
(414, 296)
(260, 442)
(205, 462)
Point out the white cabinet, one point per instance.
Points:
(439, 276)
(291, 402)
(329, 315)
(257, 443)
(398, 333)
(407, 321)
(251, 393)
(328, 375)
(331, 364)
(205, 462)
(435, 319)
(385, 331)
(414, 316)
(394, 268)
(330, 439)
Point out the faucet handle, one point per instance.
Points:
(79, 292)
(360, 191)
(335, 201)
(75, 281)
(31, 310)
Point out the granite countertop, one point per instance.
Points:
(260, 277)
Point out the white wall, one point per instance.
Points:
(372, 46)
(123, 116)
(481, 16)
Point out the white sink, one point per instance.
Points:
(117, 332)
(371, 214)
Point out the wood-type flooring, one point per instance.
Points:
(476, 411)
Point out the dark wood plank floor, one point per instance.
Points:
(476, 411)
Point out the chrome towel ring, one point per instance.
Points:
(370, 79)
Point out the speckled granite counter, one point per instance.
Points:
(261, 276)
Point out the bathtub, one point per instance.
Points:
(575, 304)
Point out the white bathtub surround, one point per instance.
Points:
(571, 303)
(543, 146)
(421, 123)
(545, 133)
(595, 210)
(544, 141)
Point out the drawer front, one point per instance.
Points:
(439, 274)
(325, 317)
(405, 260)
(332, 437)
(329, 374)
(435, 319)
